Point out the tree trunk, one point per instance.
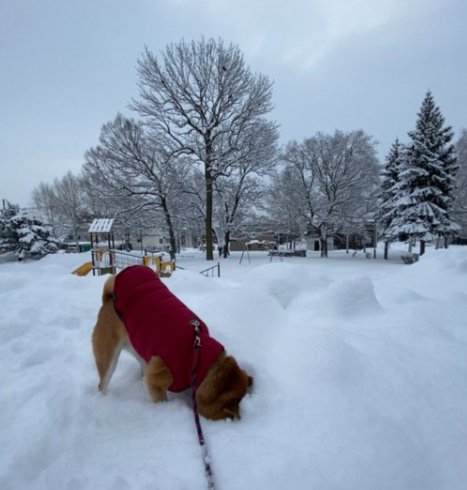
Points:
(226, 244)
(386, 250)
(209, 197)
(76, 236)
(323, 243)
(324, 240)
(422, 247)
(168, 221)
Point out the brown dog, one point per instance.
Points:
(140, 314)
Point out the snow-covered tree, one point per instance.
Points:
(8, 235)
(389, 191)
(26, 236)
(138, 168)
(238, 193)
(336, 176)
(63, 204)
(204, 98)
(460, 201)
(70, 202)
(285, 205)
(427, 180)
(34, 239)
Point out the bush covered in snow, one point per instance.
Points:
(25, 236)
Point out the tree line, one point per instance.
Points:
(201, 154)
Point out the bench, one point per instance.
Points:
(410, 258)
(287, 253)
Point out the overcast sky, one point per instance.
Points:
(68, 66)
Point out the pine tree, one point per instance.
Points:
(427, 180)
(389, 191)
(460, 201)
(27, 237)
(8, 236)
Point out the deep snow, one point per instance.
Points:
(360, 371)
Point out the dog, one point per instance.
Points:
(139, 313)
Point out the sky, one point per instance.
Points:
(68, 66)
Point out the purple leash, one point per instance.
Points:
(196, 347)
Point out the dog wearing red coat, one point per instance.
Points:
(141, 314)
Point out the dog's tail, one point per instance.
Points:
(107, 293)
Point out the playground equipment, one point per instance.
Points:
(164, 267)
(264, 244)
(101, 231)
(107, 260)
(84, 269)
(111, 261)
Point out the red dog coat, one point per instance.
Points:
(159, 324)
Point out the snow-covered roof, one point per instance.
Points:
(101, 225)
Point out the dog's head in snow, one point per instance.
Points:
(221, 392)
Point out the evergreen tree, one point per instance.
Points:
(27, 237)
(8, 236)
(389, 191)
(427, 184)
(460, 201)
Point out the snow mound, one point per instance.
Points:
(283, 281)
(453, 259)
(348, 299)
(336, 403)
(462, 266)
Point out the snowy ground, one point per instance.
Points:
(360, 371)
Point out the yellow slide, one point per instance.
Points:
(84, 269)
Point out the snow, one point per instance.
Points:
(360, 371)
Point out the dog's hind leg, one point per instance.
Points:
(108, 339)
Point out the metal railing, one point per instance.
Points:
(104, 262)
(123, 259)
(209, 272)
(109, 261)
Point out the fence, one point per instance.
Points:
(105, 262)
(209, 272)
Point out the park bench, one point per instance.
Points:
(410, 258)
(287, 253)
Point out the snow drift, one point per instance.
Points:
(360, 379)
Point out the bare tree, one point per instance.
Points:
(335, 176)
(203, 97)
(137, 168)
(69, 203)
(239, 193)
(192, 207)
(65, 204)
(286, 204)
(45, 200)
(299, 178)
